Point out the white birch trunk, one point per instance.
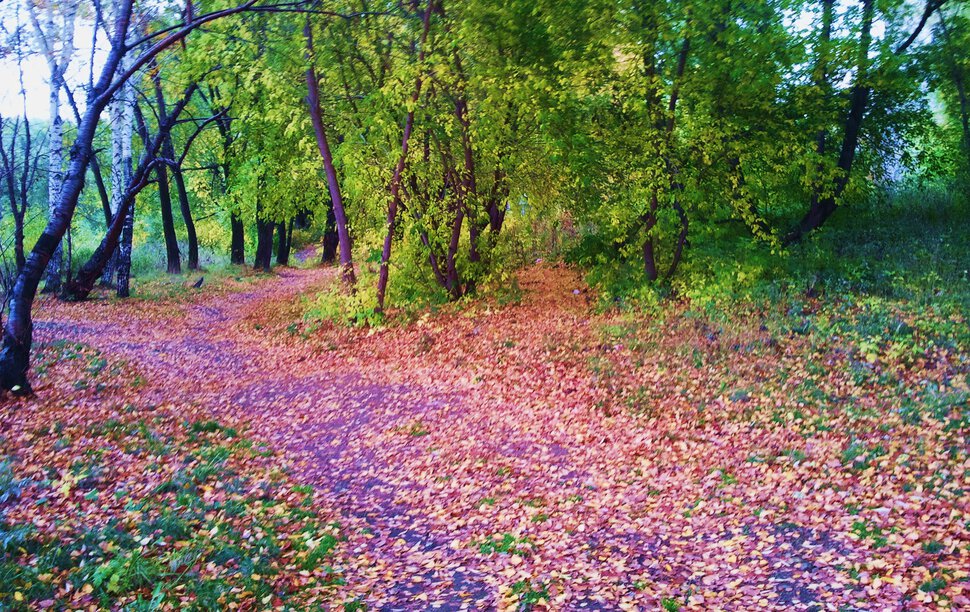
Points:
(57, 45)
(121, 115)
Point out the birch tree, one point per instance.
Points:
(18, 328)
(121, 116)
(54, 31)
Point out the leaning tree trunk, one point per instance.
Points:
(323, 145)
(824, 204)
(18, 328)
(80, 287)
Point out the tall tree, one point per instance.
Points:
(323, 145)
(56, 42)
(394, 186)
(18, 328)
(827, 196)
(121, 117)
(172, 254)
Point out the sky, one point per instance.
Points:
(36, 73)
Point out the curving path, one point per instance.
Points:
(440, 442)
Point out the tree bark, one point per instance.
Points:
(237, 249)
(58, 60)
(331, 240)
(124, 253)
(121, 114)
(284, 232)
(172, 255)
(102, 190)
(186, 210)
(319, 130)
(264, 244)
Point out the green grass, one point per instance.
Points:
(506, 544)
(176, 539)
(908, 246)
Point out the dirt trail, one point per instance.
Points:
(215, 357)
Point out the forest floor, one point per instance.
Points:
(211, 448)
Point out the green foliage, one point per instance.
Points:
(356, 309)
(153, 559)
(507, 544)
(530, 594)
(11, 487)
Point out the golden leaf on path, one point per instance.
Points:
(673, 488)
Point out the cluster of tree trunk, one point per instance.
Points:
(18, 327)
(448, 185)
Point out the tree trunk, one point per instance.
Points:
(237, 250)
(121, 115)
(822, 82)
(18, 242)
(264, 245)
(172, 255)
(331, 239)
(823, 205)
(186, 210)
(284, 232)
(681, 239)
(18, 328)
(649, 220)
(57, 61)
(8, 172)
(80, 288)
(55, 177)
(336, 199)
(124, 253)
(264, 237)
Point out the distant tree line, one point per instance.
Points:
(414, 135)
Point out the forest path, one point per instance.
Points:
(475, 458)
(343, 426)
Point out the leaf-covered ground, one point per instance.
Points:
(213, 449)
